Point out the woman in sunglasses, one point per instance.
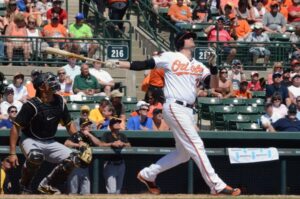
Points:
(224, 89)
(278, 107)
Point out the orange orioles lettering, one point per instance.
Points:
(180, 68)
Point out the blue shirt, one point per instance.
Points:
(285, 124)
(105, 124)
(6, 123)
(134, 123)
(21, 5)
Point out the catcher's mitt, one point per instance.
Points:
(85, 154)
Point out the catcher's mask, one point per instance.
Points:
(47, 78)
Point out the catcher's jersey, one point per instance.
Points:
(40, 120)
(181, 75)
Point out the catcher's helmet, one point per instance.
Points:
(46, 78)
(180, 37)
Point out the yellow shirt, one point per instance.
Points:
(96, 116)
(3, 176)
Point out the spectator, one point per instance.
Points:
(159, 123)
(141, 121)
(81, 30)
(228, 11)
(117, 10)
(16, 29)
(220, 34)
(277, 87)
(298, 107)
(228, 3)
(108, 112)
(79, 179)
(294, 89)
(180, 13)
(3, 26)
(239, 28)
(294, 13)
(154, 102)
(32, 10)
(43, 6)
(114, 165)
(20, 91)
(269, 117)
(278, 106)
(289, 123)
(254, 84)
(274, 21)
(65, 83)
(202, 14)
(242, 11)
(257, 11)
(4, 167)
(96, 115)
(116, 101)
(157, 4)
(84, 114)
(286, 78)
(277, 68)
(236, 74)
(214, 6)
(243, 92)
(224, 89)
(55, 30)
(103, 77)
(295, 67)
(11, 11)
(9, 101)
(257, 35)
(85, 83)
(56, 9)
(8, 123)
(29, 86)
(295, 39)
(72, 70)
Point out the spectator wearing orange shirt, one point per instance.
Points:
(154, 103)
(233, 3)
(30, 89)
(294, 13)
(239, 29)
(55, 30)
(159, 123)
(180, 13)
(243, 93)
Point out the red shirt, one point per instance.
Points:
(292, 9)
(62, 15)
(223, 35)
(254, 86)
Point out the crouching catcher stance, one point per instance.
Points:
(182, 77)
(38, 120)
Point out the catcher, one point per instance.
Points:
(79, 181)
(38, 120)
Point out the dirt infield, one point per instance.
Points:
(143, 196)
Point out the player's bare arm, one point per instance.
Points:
(14, 135)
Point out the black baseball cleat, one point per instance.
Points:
(229, 191)
(45, 188)
(152, 187)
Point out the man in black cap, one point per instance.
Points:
(277, 87)
(290, 123)
(114, 165)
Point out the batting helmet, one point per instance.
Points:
(46, 78)
(180, 37)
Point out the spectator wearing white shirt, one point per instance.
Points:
(298, 107)
(103, 77)
(9, 101)
(20, 90)
(71, 68)
(278, 106)
(294, 89)
(269, 117)
(65, 83)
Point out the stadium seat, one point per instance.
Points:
(247, 110)
(258, 94)
(217, 113)
(233, 101)
(248, 127)
(231, 120)
(255, 102)
(203, 107)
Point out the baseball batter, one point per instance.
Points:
(38, 120)
(182, 75)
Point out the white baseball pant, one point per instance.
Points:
(188, 145)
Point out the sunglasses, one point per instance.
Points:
(224, 72)
(144, 109)
(31, 22)
(13, 111)
(61, 73)
(276, 99)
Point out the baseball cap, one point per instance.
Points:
(79, 16)
(84, 122)
(236, 62)
(296, 55)
(254, 73)
(274, 2)
(9, 90)
(258, 25)
(85, 108)
(116, 93)
(275, 75)
(157, 111)
(185, 35)
(140, 104)
(292, 109)
(18, 74)
(35, 72)
(221, 18)
(114, 120)
(295, 76)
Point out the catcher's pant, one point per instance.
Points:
(53, 151)
(188, 145)
(79, 181)
(114, 174)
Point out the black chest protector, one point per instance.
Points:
(43, 124)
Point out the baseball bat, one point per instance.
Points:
(65, 53)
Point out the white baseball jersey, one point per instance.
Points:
(181, 75)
